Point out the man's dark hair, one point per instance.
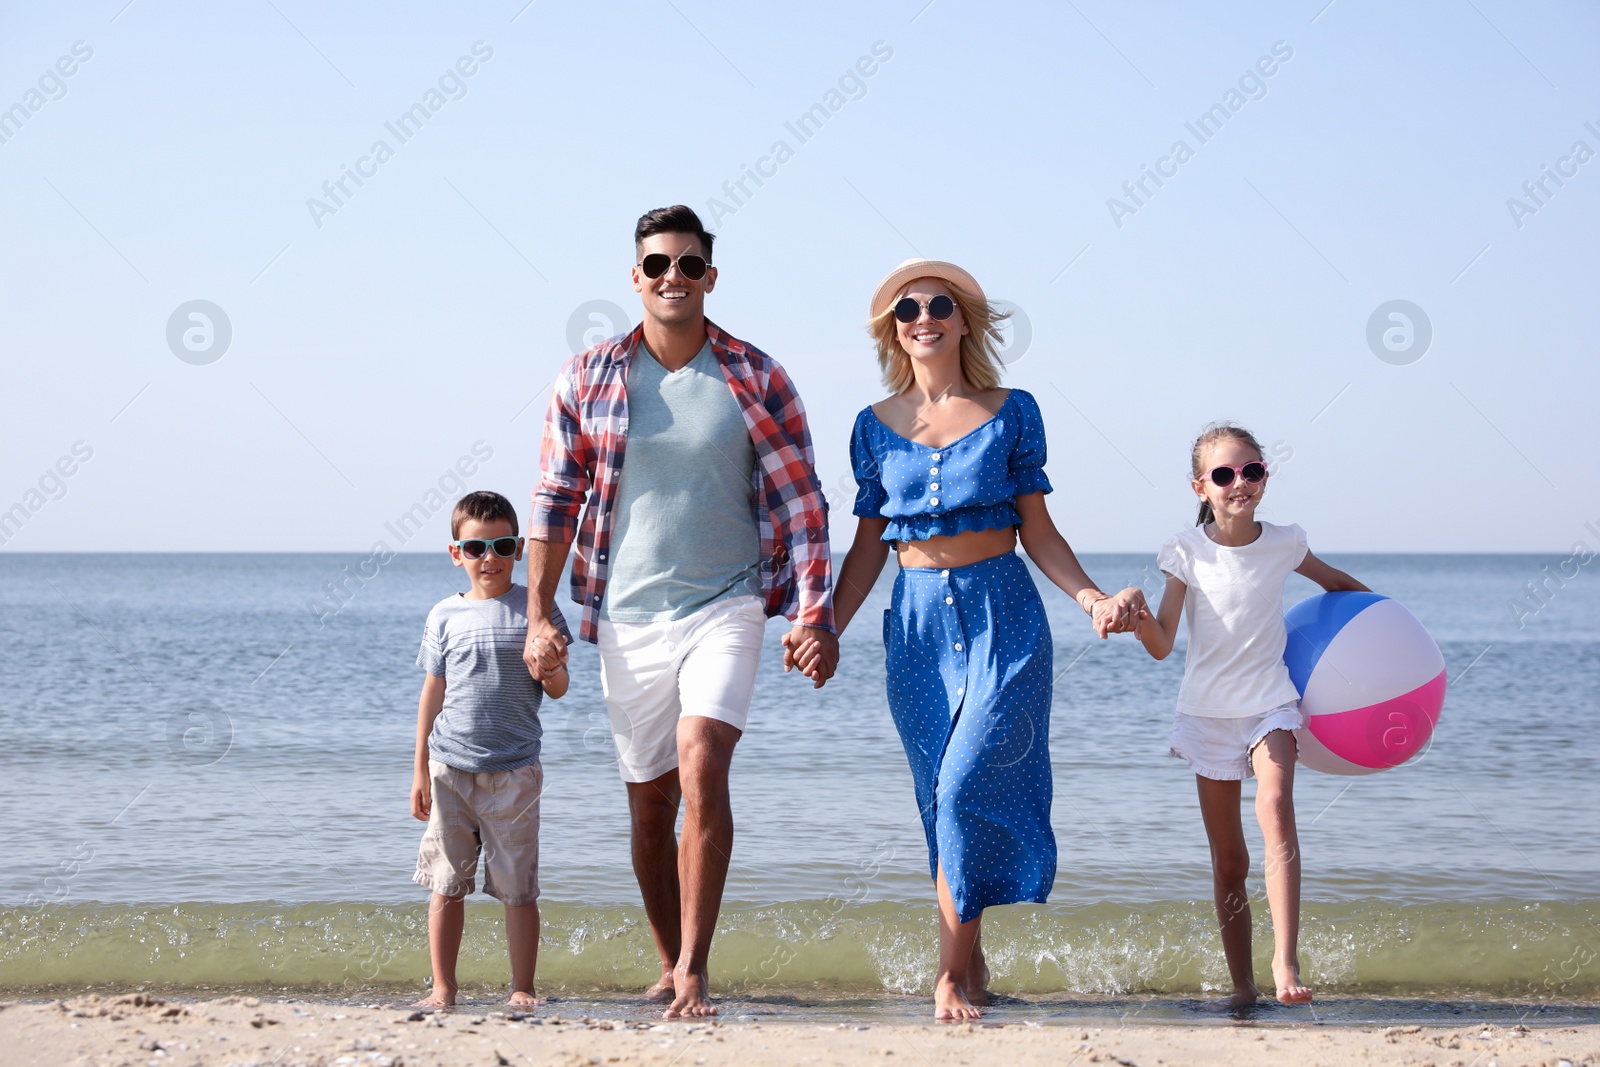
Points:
(484, 506)
(678, 218)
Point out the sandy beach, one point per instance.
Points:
(139, 1029)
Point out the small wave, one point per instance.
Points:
(1500, 948)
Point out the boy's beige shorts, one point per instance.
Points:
(495, 812)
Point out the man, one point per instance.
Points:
(715, 522)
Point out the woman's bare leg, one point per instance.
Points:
(957, 942)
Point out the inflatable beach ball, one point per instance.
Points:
(1371, 681)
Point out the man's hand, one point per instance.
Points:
(814, 651)
(421, 796)
(546, 650)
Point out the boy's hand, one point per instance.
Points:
(545, 650)
(421, 797)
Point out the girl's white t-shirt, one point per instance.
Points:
(1234, 606)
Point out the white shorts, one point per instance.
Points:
(654, 673)
(1220, 748)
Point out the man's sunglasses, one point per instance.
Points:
(1222, 477)
(690, 265)
(477, 547)
(908, 310)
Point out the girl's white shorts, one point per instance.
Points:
(1220, 748)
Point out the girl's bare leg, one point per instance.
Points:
(1230, 865)
(957, 941)
(1274, 760)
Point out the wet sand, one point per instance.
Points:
(141, 1029)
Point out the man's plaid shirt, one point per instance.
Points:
(586, 437)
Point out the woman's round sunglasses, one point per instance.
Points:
(477, 547)
(1222, 477)
(690, 265)
(908, 309)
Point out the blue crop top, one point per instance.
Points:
(970, 484)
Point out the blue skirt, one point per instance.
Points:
(972, 706)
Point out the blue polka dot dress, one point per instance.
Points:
(969, 653)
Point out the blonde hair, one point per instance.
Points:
(1217, 431)
(980, 360)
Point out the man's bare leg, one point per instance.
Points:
(446, 917)
(522, 937)
(705, 751)
(653, 806)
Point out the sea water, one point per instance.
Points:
(208, 760)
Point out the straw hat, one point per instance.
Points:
(911, 270)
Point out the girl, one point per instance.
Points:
(1237, 708)
(950, 471)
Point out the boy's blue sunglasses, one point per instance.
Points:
(477, 547)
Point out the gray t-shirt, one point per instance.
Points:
(490, 720)
(685, 533)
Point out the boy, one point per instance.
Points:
(478, 776)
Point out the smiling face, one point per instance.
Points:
(489, 574)
(1238, 499)
(672, 299)
(929, 340)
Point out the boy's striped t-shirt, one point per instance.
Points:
(490, 719)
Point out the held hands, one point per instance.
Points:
(1119, 614)
(814, 651)
(546, 650)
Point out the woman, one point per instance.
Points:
(950, 472)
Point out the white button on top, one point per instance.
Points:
(944, 574)
(958, 646)
(947, 600)
(602, 557)
(961, 691)
(936, 457)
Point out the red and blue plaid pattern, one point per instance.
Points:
(586, 438)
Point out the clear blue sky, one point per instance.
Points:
(374, 344)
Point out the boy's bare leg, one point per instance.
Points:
(1230, 865)
(705, 752)
(653, 808)
(958, 944)
(446, 916)
(1274, 761)
(522, 936)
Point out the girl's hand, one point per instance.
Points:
(1121, 613)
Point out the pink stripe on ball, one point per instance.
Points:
(1385, 734)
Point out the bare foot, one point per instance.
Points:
(950, 1003)
(519, 999)
(693, 1000)
(1290, 989)
(438, 1000)
(1239, 999)
(661, 992)
(978, 980)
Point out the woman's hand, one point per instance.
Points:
(1119, 614)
